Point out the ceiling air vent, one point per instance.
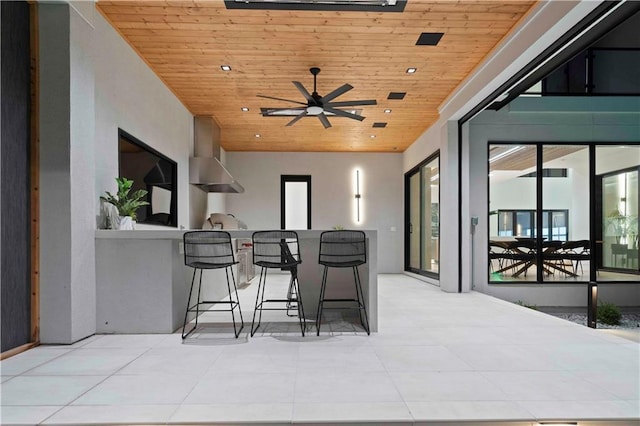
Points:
(429, 39)
(396, 95)
(379, 125)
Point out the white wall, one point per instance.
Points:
(128, 95)
(332, 194)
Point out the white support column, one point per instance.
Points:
(67, 176)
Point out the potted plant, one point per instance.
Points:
(126, 202)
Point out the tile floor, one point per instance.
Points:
(437, 358)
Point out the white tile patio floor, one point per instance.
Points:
(437, 358)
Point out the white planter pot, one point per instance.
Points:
(125, 223)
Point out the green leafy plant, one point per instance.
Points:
(609, 313)
(125, 201)
(526, 305)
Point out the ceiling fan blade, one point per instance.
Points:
(324, 120)
(281, 99)
(351, 103)
(292, 122)
(303, 90)
(339, 91)
(342, 113)
(267, 111)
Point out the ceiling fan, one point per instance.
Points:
(316, 105)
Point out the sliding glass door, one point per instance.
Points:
(422, 234)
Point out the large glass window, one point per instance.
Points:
(617, 169)
(524, 191)
(574, 245)
(423, 222)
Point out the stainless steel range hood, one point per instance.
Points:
(208, 174)
(205, 169)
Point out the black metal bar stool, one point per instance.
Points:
(343, 249)
(277, 249)
(210, 250)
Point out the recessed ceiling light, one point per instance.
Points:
(387, 111)
(245, 109)
(257, 135)
(411, 70)
(225, 67)
(373, 136)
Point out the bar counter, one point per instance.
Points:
(142, 283)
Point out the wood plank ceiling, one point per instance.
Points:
(186, 42)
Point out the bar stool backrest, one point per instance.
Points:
(342, 248)
(208, 249)
(276, 249)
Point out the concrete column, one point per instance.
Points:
(67, 176)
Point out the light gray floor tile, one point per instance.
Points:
(76, 345)
(46, 390)
(5, 378)
(140, 390)
(351, 412)
(88, 362)
(233, 413)
(32, 358)
(127, 341)
(446, 386)
(420, 358)
(546, 386)
(467, 410)
(503, 357)
(263, 359)
(344, 387)
(620, 383)
(13, 415)
(110, 414)
(553, 410)
(179, 360)
(339, 358)
(253, 388)
(602, 356)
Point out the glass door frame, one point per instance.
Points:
(407, 217)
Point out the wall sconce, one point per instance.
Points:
(358, 196)
(357, 208)
(592, 305)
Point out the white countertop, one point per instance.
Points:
(177, 234)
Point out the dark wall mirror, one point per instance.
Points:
(154, 172)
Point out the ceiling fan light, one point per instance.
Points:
(314, 110)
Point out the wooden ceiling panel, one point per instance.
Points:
(185, 42)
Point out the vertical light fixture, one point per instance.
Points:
(592, 305)
(358, 196)
(357, 211)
